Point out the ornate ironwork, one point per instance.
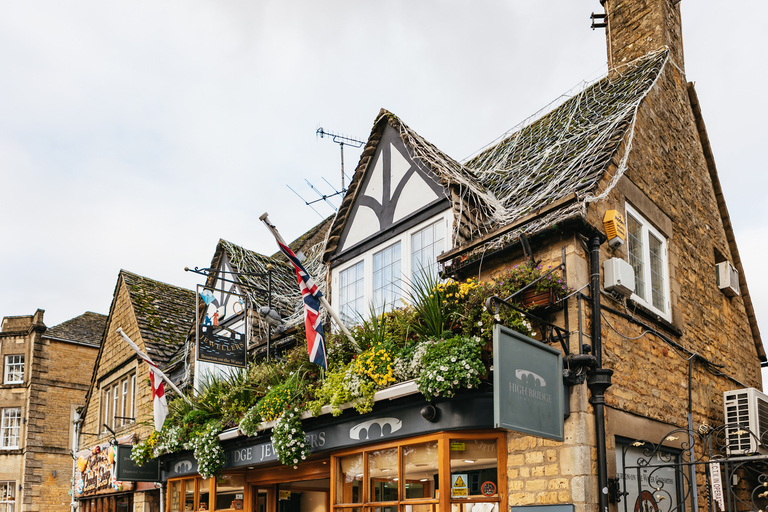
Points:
(663, 476)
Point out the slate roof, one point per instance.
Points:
(164, 313)
(86, 328)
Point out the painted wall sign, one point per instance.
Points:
(128, 470)
(527, 385)
(472, 411)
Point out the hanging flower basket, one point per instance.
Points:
(540, 300)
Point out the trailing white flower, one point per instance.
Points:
(289, 439)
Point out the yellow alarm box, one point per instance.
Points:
(615, 228)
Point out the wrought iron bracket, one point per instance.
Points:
(614, 491)
(551, 333)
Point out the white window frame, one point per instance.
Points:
(7, 434)
(7, 496)
(406, 253)
(11, 364)
(646, 229)
(118, 399)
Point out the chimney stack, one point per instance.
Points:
(637, 27)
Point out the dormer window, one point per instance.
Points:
(382, 276)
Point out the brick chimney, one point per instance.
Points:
(636, 27)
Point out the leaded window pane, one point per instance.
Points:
(386, 277)
(9, 427)
(426, 245)
(655, 247)
(635, 248)
(14, 369)
(352, 293)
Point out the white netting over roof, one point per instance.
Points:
(286, 297)
(549, 156)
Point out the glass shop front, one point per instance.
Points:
(391, 461)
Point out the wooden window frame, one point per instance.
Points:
(443, 500)
(201, 483)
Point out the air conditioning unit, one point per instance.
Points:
(727, 278)
(618, 276)
(746, 418)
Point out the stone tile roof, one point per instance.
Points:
(86, 328)
(456, 179)
(164, 313)
(545, 164)
(285, 290)
(567, 150)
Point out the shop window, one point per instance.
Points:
(188, 494)
(230, 492)
(7, 496)
(474, 468)
(10, 427)
(421, 470)
(383, 475)
(407, 477)
(14, 369)
(349, 479)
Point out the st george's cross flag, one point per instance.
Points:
(156, 378)
(311, 296)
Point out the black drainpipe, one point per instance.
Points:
(599, 379)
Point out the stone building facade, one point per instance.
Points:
(118, 407)
(45, 377)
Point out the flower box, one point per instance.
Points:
(540, 300)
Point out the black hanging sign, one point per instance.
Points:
(221, 345)
(221, 332)
(129, 471)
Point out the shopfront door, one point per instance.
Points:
(299, 496)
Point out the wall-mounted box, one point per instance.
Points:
(727, 278)
(618, 276)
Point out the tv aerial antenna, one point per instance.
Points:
(341, 140)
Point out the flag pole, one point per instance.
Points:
(146, 358)
(265, 219)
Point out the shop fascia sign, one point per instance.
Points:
(472, 411)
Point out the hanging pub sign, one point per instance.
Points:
(527, 385)
(221, 337)
(126, 469)
(95, 472)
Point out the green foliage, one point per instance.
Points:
(428, 303)
(451, 365)
(334, 391)
(289, 439)
(437, 342)
(521, 275)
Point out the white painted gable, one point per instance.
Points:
(395, 189)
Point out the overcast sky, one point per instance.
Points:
(134, 135)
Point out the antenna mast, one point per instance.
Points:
(340, 140)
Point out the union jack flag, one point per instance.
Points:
(312, 323)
